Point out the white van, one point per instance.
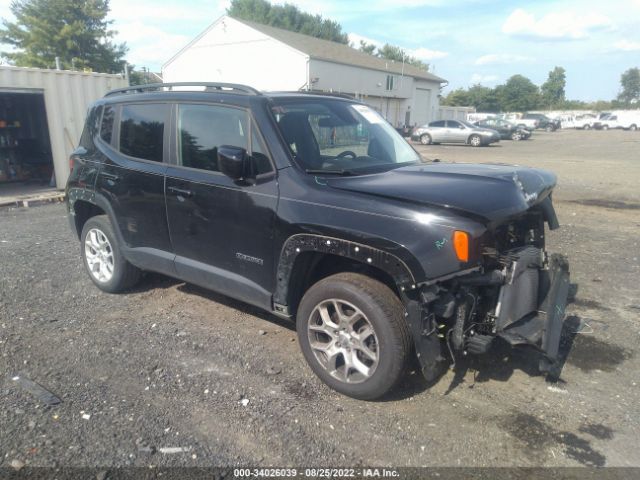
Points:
(625, 120)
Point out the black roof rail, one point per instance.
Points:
(315, 92)
(328, 94)
(208, 87)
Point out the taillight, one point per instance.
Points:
(72, 161)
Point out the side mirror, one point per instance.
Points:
(232, 161)
(461, 127)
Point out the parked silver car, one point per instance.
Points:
(454, 131)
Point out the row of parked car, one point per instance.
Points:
(606, 121)
(482, 132)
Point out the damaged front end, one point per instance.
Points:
(519, 294)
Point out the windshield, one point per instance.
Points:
(333, 136)
(467, 124)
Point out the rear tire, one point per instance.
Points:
(103, 259)
(336, 317)
(605, 127)
(633, 127)
(587, 127)
(549, 128)
(425, 139)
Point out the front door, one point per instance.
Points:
(221, 230)
(456, 132)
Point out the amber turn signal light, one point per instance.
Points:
(461, 245)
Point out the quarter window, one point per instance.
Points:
(106, 129)
(142, 131)
(203, 128)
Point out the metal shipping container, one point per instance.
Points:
(66, 95)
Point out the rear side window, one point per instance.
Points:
(106, 129)
(203, 128)
(438, 124)
(142, 131)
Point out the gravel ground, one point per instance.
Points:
(172, 366)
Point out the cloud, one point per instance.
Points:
(627, 46)
(149, 11)
(501, 59)
(354, 39)
(427, 54)
(149, 45)
(420, 53)
(556, 25)
(479, 78)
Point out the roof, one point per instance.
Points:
(338, 52)
(322, 50)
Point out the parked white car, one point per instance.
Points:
(584, 122)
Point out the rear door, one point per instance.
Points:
(437, 131)
(221, 229)
(133, 139)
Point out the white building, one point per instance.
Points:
(272, 59)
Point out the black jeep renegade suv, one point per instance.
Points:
(314, 207)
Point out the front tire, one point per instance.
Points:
(587, 127)
(353, 335)
(425, 139)
(516, 136)
(475, 141)
(633, 127)
(103, 259)
(605, 127)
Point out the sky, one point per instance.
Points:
(464, 41)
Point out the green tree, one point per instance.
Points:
(365, 47)
(630, 83)
(287, 17)
(397, 54)
(484, 99)
(76, 31)
(457, 98)
(553, 88)
(519, 94)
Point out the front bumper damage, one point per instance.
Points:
(523, 302)
(532, 302)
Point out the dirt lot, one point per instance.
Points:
(172, 365)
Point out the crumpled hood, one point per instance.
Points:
(486, 190)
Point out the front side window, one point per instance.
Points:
(142, 130)
(203, 128)
(333, 135)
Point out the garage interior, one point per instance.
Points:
(25, 147)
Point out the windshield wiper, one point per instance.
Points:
(319, 171)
